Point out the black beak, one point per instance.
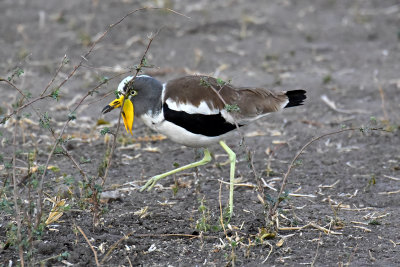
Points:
(107, 109)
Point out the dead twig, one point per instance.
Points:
(63, 62)
(138, 69)
(271, 247)
(390, 192)
(16, 197)
(114, 246)
(40, 187)
(292, 163)
(88, 94)
(351, 255)
(365, 229)
(175, 235)
(221, 218)
(332, 105)
(129, 261)
(316, 252)
(21, 107)
(249, 153)
(382, 94)
(391, 177)
(90, 245)
(311, 224)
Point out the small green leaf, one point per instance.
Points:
(221, 82)
(28, 94)
(7, 165)
(69, 180)
(98, 188)
(117, 93)
(44, 121)
(144, 62)
(17, 72)
(298, 162)
(34, 183)
(105, 131)
(84, 160)
(374, 222)
(41, 169)
(55, 169)
(204, 83)
(104, 79)
(58, 150)
(55, 94)
(72, 116)
(232, 108)
(327, 79)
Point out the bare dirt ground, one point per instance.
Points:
(345, 53)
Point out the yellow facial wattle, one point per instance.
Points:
(128, 115)
(127, 111)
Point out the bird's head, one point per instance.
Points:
(144, 92)
(125, 89)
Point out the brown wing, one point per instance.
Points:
(252, 102)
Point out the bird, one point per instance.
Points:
(197, 111)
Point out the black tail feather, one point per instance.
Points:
(296, 98)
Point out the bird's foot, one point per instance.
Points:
(151, 183)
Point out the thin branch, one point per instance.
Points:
(110, 27)
(7, 117)
(40, 188)
(12, 85)
(16, 197)
(56, 142)
(114, 246)
(42, 96)
(90, 245)
(284, 181)
(63, 62)
(316, 252)
(75, 163)
(111, 249)
(382, 94)
(247, 149)
(138, 69)
(83, 58)
(220, 208)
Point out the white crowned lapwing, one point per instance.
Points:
(197, 111)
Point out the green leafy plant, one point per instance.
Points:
(44, 121)
(232, 108)
(55, 94)
(16, 73)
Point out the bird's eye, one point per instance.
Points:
(134, 92)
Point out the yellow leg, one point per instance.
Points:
(151, 182)
(232, 159)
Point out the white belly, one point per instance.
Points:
(178, 134)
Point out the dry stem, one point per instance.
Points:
(90, 245)
(284, 181)
(247, 149)
(138, 69)
(40, 204)
(114, 246)
(55, 75)
(16, 197)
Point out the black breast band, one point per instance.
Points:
(208, 125)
